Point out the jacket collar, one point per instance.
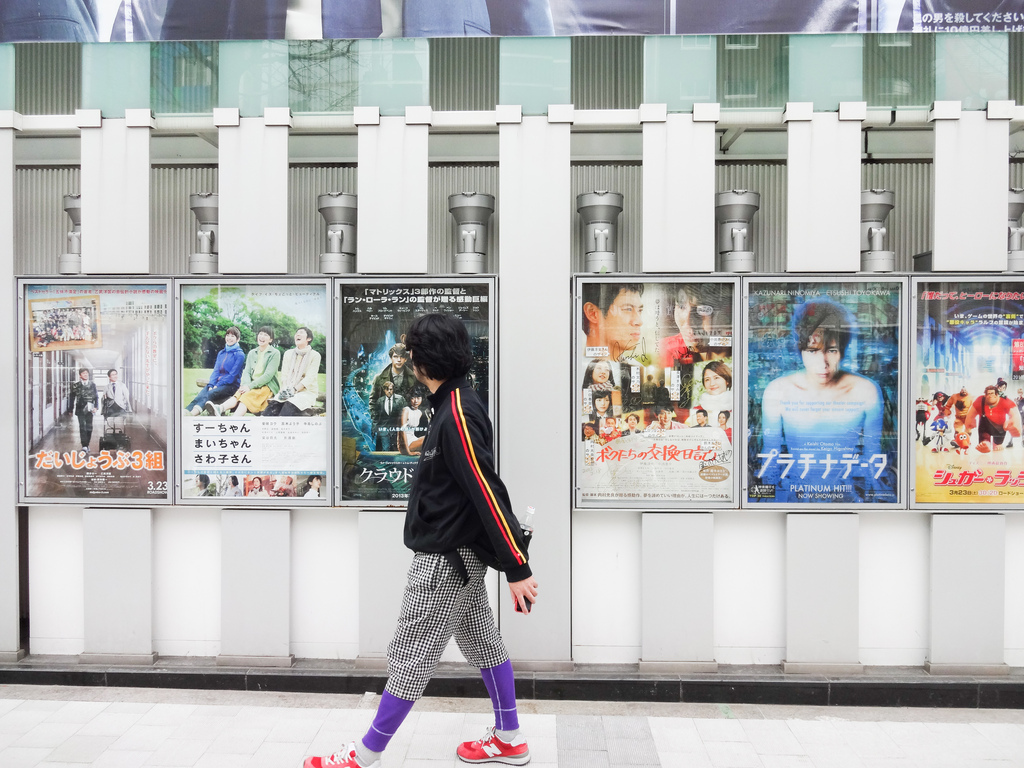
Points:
(446, 388)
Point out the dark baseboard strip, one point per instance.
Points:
(769, 688)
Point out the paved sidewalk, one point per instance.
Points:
(63, 727)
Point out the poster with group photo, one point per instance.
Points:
(655, 408)
(254, 392)
(385, 411)
(96, 384)
(968, 390)
(823, 392)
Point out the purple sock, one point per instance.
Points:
(501, 685)
(390, 714)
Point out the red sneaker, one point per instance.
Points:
(491, 749)
(343, 758)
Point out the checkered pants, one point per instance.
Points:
(435, 607)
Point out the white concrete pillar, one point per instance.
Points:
(823, 593)
(824, 184)
(10, 643)
(392, 181)
(679, 189)
(255, 588)
(118, 586)
(380, 589)
(253, 190)
(536, 208)
(971, 178)
(115, 188)
(678, 562)
(968, 605)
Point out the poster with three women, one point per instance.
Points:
(655, 409)
(254, 391)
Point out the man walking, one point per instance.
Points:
(458, 511)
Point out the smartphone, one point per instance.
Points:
(529, 605)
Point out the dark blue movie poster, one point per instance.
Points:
(823, 393)
(386, 412)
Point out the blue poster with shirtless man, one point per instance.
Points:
(823, 393)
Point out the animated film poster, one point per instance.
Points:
(385, 411)
(96, 382)
(655, 407)
(254, 391)
(823, 392)
(968, 390)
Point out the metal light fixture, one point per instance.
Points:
(70, 263)
(600, 213)
(205, 260)
(471, 211)
(340, 211)
(1015, 254)
(734, 212)
(875, 206)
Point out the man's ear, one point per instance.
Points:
(592, 312)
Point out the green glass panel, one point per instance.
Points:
(753, 71)
(899, 70)
(535, 72)
(393, 74)
(252, 75)
(184, 77)
(323, 75)
(115, 77)
(7, 76)
(826, 69)
(972, 68)
(680, 71)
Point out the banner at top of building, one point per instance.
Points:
(142, 20)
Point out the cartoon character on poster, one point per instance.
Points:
(822, 389)
(655, 392)
(969, 378)
(386, 411)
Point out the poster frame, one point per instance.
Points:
(179, 310)
(902, 388)
(962, 507)
(491, 281)
(576, 411)
(22, 357)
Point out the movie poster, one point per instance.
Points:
(254, 392)
(653, 388)
(96, 383)
(385, 411)
(823, 392)
(968, 390)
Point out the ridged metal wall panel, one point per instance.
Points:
(307, 231)
(910, 222)
(452, 179)
(47, 78)
(1017, 174)
(753, 71)
(173, 227)
(899, 70)
(627, 180)
(40, 224)
(607, 72)
(768, 240)
(464, 73)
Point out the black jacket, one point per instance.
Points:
(457, 497)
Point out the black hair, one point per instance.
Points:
(309, 333)
(267, 330)
(701, 410)
(823, 316)
(112, 370)
(588, 377)
(234, 479)
(440, 346)
(603, 295)
(233, 330)
(84, 370)
(204, 480)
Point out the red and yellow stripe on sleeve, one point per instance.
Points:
(485, 488)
